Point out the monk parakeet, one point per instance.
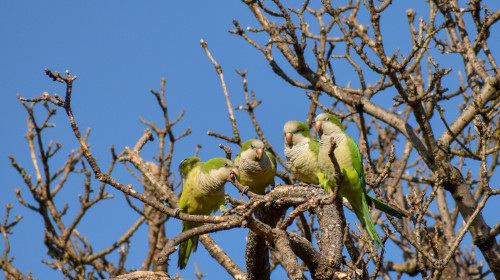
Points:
(257, 167)
(301, 152)
(350, 162)
(202, 194)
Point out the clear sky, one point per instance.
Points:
(120, 50)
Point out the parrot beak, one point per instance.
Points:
(259, 153)
(235, 172)
(319, 127)
(288, 138)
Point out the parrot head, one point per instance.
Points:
(221, 169)
(253, 149)
(295, 132)
(328, 124)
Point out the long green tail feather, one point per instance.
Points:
(367, 223)
(187, 246)
(386, 208)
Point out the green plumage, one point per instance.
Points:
(350, 162)
(257, 167)
(385, 208)
(202, 194)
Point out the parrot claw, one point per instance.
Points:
(245, 190)
(177, 212)
(302, 184)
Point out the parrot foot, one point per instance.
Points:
(177, 212)
(245, 189)
(301, 184)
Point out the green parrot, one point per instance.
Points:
(202, 194)
(301, 152)
(257, 170)
(257, 167)
(350, 162)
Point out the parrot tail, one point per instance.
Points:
(187, 246)
(386, 208)
(365, 218)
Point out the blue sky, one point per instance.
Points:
(120, 50)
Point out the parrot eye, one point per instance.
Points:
(251, 146)
(225, 165)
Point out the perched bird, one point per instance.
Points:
(257, 167)
(257, 170)
(301, 152)
(202, 194)
(350, 162)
